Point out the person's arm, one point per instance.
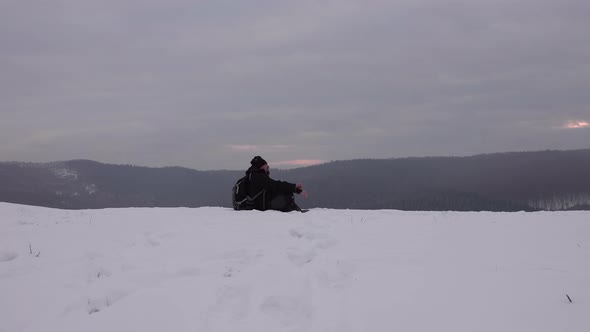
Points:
(282, 187)
(275, 186)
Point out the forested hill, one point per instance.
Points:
(545, 180)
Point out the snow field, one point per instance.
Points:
(214, 269)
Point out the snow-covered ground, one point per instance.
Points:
(214, 269)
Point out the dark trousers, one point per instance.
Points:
(285, 203)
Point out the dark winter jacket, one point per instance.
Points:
(260, 182)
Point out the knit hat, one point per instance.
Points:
(258, 162)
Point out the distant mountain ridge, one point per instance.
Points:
(542, 180)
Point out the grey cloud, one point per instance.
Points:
(331, 79)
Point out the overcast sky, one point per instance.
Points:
(210, 84)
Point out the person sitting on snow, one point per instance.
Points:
(272, 194)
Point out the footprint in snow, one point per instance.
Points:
(336, 274)
(235, 262)
(300, 257)
(319, 241)
(296, 233)
(97, 304)
(289, 311)
(99, 273)
(92, 255)
(146, 240)
(7, 256)
(152, 242)
(233, 303)
(230, 272)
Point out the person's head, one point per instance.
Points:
(258, 162)
(266, 168)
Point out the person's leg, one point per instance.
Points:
(284, 203)
(278, 203)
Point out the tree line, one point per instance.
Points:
(517, 181)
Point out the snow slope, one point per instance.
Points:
(214, 269)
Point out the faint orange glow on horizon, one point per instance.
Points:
(577, 124)
(257, 148)
(298, 162)
(243, 147)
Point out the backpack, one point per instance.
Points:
(239, 195)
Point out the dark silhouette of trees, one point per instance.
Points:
(529, 181)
